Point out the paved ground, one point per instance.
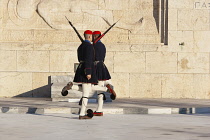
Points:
(120, 102)
(112, 127)
(119, 106)
(136, 119)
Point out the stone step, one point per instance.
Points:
(59, 82)
(78, 96)
(77, 100)
(71, 94)
(75, 110)
(73, 100)
(59, 86)
(62, 79)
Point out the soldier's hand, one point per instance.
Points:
(88, 77)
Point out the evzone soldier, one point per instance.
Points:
(102, 73)
(85, 75)
(85, 72)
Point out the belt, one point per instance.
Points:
(84, 62)
(96, 62)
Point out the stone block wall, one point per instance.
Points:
(36, 42)
(188, 32)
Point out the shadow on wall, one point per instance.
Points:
(42, 92)
(156, 12)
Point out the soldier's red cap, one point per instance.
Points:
(88, 32)
(96, 33)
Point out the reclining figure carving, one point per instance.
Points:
(81, 12)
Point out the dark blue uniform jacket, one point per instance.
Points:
(85, 53)
(102, 72)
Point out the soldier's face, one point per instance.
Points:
(95, 37)
(91, 38)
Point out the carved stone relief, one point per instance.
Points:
(1, 13)
(22, 13)
(135, 16)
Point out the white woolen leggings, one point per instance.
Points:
(100, 96)
(86, 87)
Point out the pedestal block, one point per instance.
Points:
(58, 82)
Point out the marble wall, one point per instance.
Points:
(36, 42)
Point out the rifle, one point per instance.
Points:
(81, 39)
(97, 39)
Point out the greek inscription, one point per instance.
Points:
(197, 4)
(202, 5)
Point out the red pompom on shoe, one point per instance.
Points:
(98, 113)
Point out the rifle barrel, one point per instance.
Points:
(95, 41)
(81, 39)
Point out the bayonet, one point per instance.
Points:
(95, 41)
(81, 39)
